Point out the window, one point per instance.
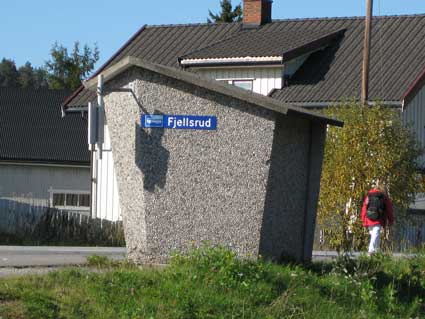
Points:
(84, 200)
(243, 84)
(72, 200)
(58, 200)
(246, 84)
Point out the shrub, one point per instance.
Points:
(373, 145)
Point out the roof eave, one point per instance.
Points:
(288, 55)
(324, 104)
(241, 61)
(413, 88)
(312, 46)
(225, 89)
(28, 161)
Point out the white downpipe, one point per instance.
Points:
(100, 116)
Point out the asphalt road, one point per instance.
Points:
(22, 257)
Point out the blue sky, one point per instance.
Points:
(28, 28)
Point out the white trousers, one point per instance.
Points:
(375, 238)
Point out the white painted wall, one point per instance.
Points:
(32, 184)
(414, 117)
(265, 79)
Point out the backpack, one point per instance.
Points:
(376, 206)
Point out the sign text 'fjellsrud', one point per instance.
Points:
(182, 122)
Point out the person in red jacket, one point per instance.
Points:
(377, 212)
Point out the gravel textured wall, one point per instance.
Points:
(283, 223)
(244, 185)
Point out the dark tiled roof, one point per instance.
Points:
(397, 57)
(32, 128)
(213, 86)
(262, 43)
(164, 44)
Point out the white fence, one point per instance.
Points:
(25, 220)
(406, 235)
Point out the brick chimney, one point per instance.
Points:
(257, 12)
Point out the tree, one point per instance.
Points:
(373, 145)
(30, 77)
(66, 71)
(26, 76)
(40, 78)
(8, 73)
(227, 14)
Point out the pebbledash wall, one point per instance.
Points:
(264, 80)
(105, 193)
(252, 184)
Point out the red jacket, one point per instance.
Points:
(389, 215)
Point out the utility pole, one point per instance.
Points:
(366, 53)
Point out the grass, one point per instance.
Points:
(212, 283)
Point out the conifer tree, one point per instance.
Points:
(227, 14)
(67, 70)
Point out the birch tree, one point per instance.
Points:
(373, 145)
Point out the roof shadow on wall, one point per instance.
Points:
(151, 157)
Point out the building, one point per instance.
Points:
(44, 161)
(309, 63)
(210, 162)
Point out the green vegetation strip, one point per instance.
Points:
(213, 283)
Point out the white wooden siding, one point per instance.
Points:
(264, 79)
(31, 184)
(414, 116)
(105, 186)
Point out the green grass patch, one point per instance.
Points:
(213, 283)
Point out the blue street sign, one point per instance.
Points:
(182, 122)
(152, 121)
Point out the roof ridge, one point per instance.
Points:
(173, 25)
(416, 15)
(413, 15)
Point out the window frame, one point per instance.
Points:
(232, 81)
(66, 193)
